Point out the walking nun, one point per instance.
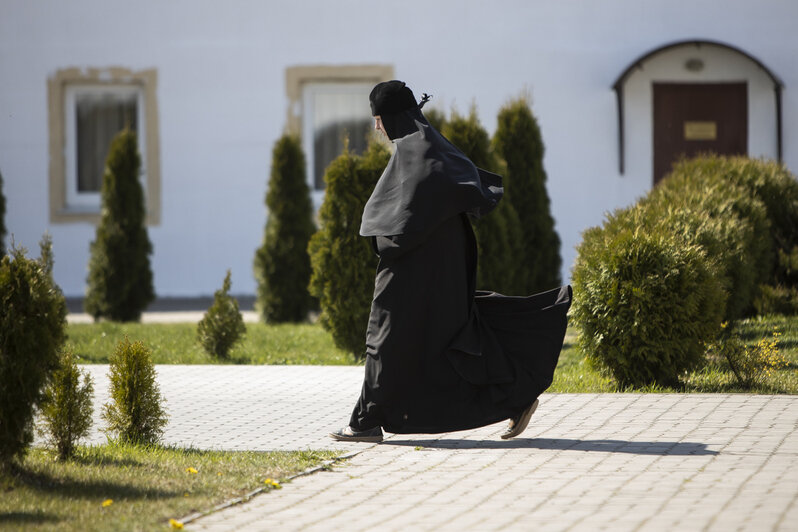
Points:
(442, 356)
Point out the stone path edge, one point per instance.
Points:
(248, 496)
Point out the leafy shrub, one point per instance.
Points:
(32, 332)
(519, 143)
(727, 222)
(67, 406)
(120, 279)
(2, 218)
(498, 233)
(646, 302)
(134, 414)
(282, 265)
(222, 325)
(777, 189)
(342, 262)
(750, 364)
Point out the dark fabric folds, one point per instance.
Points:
(427, 181)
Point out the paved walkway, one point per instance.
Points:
(587, 461)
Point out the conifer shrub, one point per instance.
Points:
(67, 406)
(519, 143)
(134, 414)
(222, 326)
(32, 331)
(498, 233)
(120, 279)
(646, 302)
(343, 262)
(2, 218)
(282, 265)
(772, 184)
(728, 222)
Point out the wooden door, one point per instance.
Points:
(693, 118)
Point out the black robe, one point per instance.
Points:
(440, 355)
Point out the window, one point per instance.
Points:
(94, 114)
(87, 109)
(328, 104)
(332, 113)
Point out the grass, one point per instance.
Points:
(575, 374)
(311, 344)
(176, 343)
(148, 485)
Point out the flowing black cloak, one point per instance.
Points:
(442, 356)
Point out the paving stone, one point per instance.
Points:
(587, 461)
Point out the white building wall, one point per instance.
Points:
(222, 102)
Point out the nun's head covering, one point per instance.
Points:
(396, 106)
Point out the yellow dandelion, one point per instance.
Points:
(185, 494)
(272, 483)
(174, 523)
(219, 474)
(191, 470)
(107, 503)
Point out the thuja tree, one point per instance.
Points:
(282, 265)
(222, 326)
(519, 143)
(342, 261)
(498, 233)
(120, 279)
(2, 218)
(32, 332)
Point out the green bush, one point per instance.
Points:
(2, 219)
(134, 414)
(342, 262)
(519, 143)
(67, 406)
(750, 364)
(120, 279)
(32, 332)
(646, 301)
(499, 233)
(727, 222)
(222, 325)
(282, 265)
(777, 189)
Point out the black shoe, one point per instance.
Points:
(519, 423)
(348, 434)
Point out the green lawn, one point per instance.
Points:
(176, 343)
(311, 344)
(147, 485)
(575, 375)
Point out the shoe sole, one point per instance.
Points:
(522, 423)
(363, 439)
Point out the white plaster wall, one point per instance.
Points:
(222, 103)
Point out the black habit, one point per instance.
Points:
(440, 355)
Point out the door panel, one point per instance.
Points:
(693, 118)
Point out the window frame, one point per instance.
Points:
(66, 205)
(309, 91)
(90, 201)
(297, 77)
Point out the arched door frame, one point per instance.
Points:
(637, 64)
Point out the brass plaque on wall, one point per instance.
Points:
(700, 130)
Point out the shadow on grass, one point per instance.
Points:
(564, 444)
(27, 518)
(83, 489)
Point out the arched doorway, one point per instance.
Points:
(696, 96)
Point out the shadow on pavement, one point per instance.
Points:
(605, 446)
